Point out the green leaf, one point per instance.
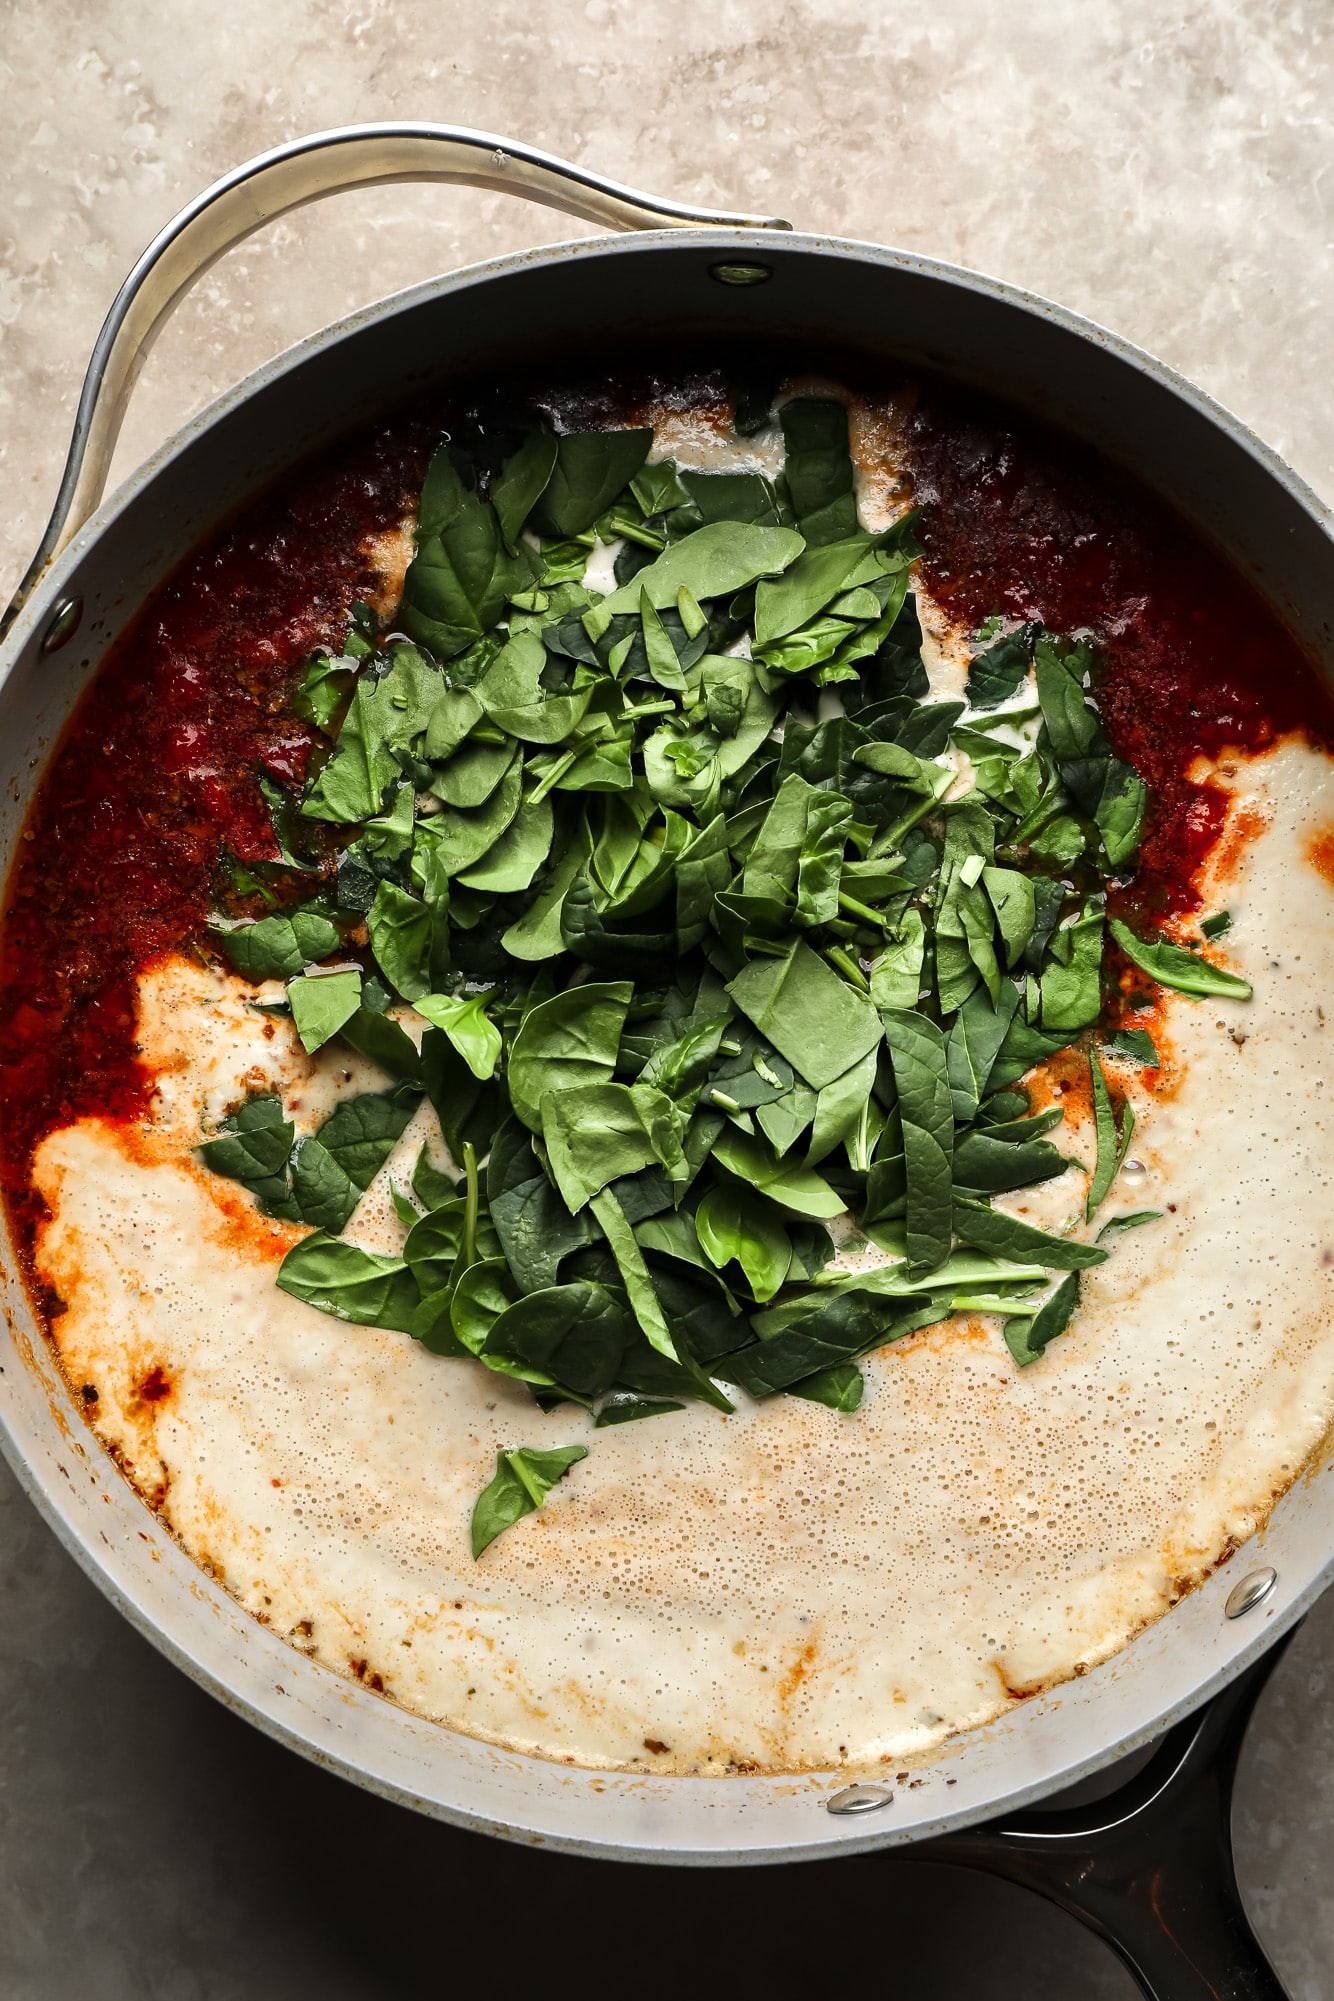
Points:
(253, 1147)
(818, 467)
(471, 775)
(387, 713)
(840, 1107)
(1006, 1237)
(1217, 926)
(325, 686)
(993, 1165)
(896, 975)
(634, 1272)
(592, 468)
(811, 582)
(517, 855)
(574, 1335)
(835, 1330)
(457, 583)
(786, 1182)
(334, 1166)
(1185, 972)
(459, 839)
(321, 1003)
(973, 1044)
(464, 1020)
(1132, 1045)
(840, 1388)
(595, 1133)
(1027, 1339)
(523, 1480)
(716, 561)
(996, 675)
(810, 1015)
(380, 1038)
(1115, 1224)
(521, 481)
(350, 1283)
(410, 941)
(535, 1228)
(1072, 980)
(733, 1221)
(1104, 1120)
(624, 1406)
(278, 947)
(514, 698)
(1072, 723)
(917, 1054)
(568, 1040)
(1011, 897)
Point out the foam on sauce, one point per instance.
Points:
(787, 1588)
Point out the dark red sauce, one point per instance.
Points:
(155, 772)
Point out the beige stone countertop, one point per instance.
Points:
(1166, 170)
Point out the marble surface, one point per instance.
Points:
(1162, 169)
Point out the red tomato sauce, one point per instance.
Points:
(154, 773)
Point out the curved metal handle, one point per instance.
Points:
(353, 156)
(1149, 1868)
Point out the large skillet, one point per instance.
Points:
(681, 271)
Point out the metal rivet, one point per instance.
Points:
(64, 624)
(860, 1799)
(741, 274)
(1244, 1597)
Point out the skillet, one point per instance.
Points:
(735, 278)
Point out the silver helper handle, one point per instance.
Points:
(353, 156)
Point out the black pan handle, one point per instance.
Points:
(305, 170)
(1149, 1867)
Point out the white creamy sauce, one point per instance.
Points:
(786, 1588)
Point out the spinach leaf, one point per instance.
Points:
(521, 482)
(984, 1162)
(818, 467)
(410, 941)
(524, 1478)
(1172, 966)
(1115, 1224)
(349, 1283)
(595, 1133)
(467, 1106)
(792, 1186)
(321, 1003)
(998, 673)
(1108, 1139)
(462, 573)
(380, 1038)
(278, 947)
(733, 1221)
(644, 1302)
(1072, 724)
(253, 1147)
(336, 1164)
(1027, 1339)
(1132, 1045)
(624, 1406)
(810, 1015)
(839, 1388)
(921, 1077)
(1007, 1237)
(1071, 981)
(388, 712)
(716, 561)
(574, 1334)
(592, 468)
(535, 1228)
(1217, 926)
(973, 1045)
(464, 1020)
(568, 1040)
